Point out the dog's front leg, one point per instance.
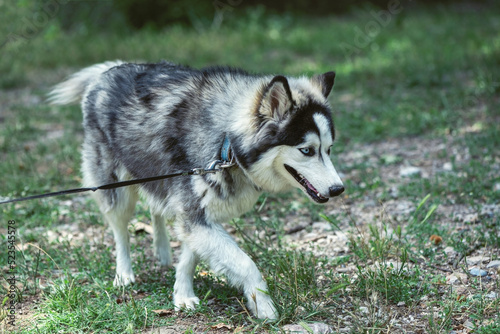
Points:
(212, 244)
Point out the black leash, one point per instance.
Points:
(214, 167)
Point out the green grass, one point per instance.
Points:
(430, 73)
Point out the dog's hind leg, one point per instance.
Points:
(161, 240)
(183, 287)
(118, 217)
(99, 167)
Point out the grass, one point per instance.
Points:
(430, 74)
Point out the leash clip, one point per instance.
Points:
(214, 167)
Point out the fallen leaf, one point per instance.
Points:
(436, 239)
(164, 313)
(141, 227)
(222, 325)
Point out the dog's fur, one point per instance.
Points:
(144, 120)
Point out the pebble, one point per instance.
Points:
(316, 328)
(477, 259)
(322, 227)
(409, 171)
(493, 264)
(390, 159)
(492, 295)
(449, 250)
(469, 324)
(456, 277)
(448, 166)
(490, 210)
(478, 272)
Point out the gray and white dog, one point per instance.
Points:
(143, 120)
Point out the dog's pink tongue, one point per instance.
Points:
(313, 190)
(310, 186)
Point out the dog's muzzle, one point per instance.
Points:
(311, 191)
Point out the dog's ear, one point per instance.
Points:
(276, 99)
(324, 82)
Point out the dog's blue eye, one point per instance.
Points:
(309, 151)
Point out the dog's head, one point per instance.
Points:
(292, 133)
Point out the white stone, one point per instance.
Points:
(322, 226)
(477, 259)
(492, 295)
(448, 166)
(316, 328)
(493, 264)
(364, 309)
(408, 171)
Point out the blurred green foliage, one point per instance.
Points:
(27, 16)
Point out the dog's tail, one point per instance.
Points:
(72, 90)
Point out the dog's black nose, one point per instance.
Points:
(336, 190)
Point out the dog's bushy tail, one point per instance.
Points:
(72, 90)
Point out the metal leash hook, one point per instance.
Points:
(214, 167)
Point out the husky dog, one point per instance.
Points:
(143, 120)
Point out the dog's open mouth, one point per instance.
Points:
(311, 191)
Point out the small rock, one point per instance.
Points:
(478, 272)
(469, 324)
(394, 192)
(492, 295)
(496, 187)
(370, 203)
(364, 309)
(409, 171)
(322, 226)
(401, 304)
(390, 159)
(493, 264)
(310, 236)
(456, 278)
(471, 218)
(449, 250)
(477, 259)
(490, 210)
(447, 166)
(316, 328)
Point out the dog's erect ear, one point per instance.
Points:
(277, 99)
(324, 82)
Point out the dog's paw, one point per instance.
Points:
(261, 305)
(186, 302)
(266, 310)
(165, 257)
(123, 279)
